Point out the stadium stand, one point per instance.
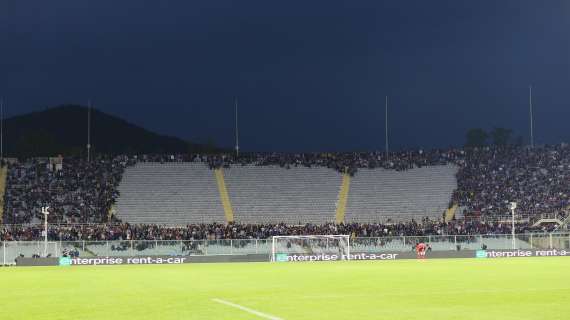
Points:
(426, 227)
(416, 193)
(78, 191)
(537, 179)
(293, 188)
(271, 194)
(169, 194)
(218, 204)
(182, 193)
(3, 176)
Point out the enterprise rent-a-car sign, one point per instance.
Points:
(102, 261)
(521, 253)
(294, 257)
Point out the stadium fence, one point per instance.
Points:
(10, 250)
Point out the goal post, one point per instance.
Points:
(310, 248)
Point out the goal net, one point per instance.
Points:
(10, 250)
(310, 248)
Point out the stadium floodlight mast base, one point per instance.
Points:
(45, 213)
(343, 242)
(513, 232)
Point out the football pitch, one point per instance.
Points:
(520, 288)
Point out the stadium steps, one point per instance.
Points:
(112, 211)
(548, 220)
(170, 194)
(224, 196)
(273, 194)
(450, 213)
(3, 176)
(376, 194)
(342, 198)
(188, 192)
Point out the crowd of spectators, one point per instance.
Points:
(76, 191)
(124, 231)
(538, 180)
(348, 162)
(488, 179)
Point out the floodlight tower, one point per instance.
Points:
(513, 207)
(45, 211)
(531, 117)
(236, 126)
(386, 127)
(89, 131)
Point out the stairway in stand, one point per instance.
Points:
(224, 197)
(342, 198)
(3, 176)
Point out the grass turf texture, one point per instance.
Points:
(521, 288)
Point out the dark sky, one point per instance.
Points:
(309, 75)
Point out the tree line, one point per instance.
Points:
(477, 137)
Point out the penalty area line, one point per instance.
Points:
(248, 310)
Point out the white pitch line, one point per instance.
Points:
(255, 312)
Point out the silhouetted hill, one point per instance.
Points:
(63, 130)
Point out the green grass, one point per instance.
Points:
(522, 288)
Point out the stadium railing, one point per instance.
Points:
(10, 250)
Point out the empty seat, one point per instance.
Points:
(169, 194)
(378, 193)
(272, 194)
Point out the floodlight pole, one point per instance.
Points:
(89, 131)
(386, 126)
(531, 117)
(513, 232)
(45, 213)
(236, 127)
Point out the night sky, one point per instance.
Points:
(309, 75)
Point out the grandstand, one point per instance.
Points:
(416, 193)
(272, 194)
(169, 193)
(3, 176)
(199, 205)
(295, 189)
(181, 193)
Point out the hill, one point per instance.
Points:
(63, 130)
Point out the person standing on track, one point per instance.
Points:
(421, 250)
